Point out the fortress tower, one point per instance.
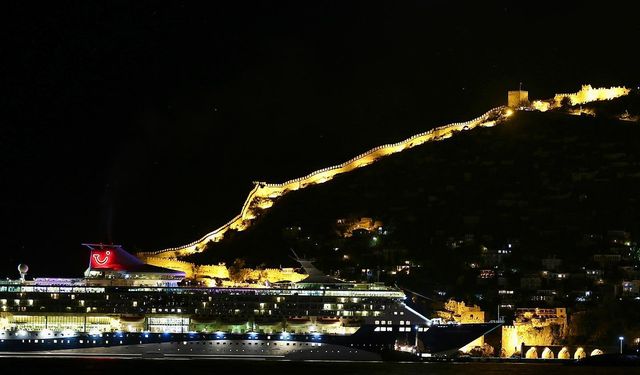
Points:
(518, 98)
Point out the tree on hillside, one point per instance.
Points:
(237, 272)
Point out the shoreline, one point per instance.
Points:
(605, 360)
(612, 360)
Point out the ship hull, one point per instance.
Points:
(365, 344)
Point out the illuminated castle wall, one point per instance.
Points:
(539, 327)
(586, 94)
(462, 313)
(346, 227)
(263, 195)
(220, 271)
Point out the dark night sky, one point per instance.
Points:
(144, 124)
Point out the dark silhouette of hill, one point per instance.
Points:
(540, 180)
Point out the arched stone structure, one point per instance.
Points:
(564, 353)
(559, 352)
(547, 354)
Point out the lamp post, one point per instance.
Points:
(621, 340)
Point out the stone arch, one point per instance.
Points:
(532, 352)
(596, 352)
(564, 353)
(547, 354)
(579, 354)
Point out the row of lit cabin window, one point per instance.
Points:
(55, 296)
(166, 291)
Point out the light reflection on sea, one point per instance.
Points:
(67, 366)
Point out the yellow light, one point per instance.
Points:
(262, 195)
(589, 94)
(541, 105)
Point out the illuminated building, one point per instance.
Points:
(534, 326)
(517, 98)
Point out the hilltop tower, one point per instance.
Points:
(518, 98)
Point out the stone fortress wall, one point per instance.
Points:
(264, 194)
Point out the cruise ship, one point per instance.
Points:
(123, 307)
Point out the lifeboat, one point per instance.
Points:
(327, 320)
(298, 320)
(132, 319)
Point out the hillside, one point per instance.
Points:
(542, 180)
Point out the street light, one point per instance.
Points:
(621, 340)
